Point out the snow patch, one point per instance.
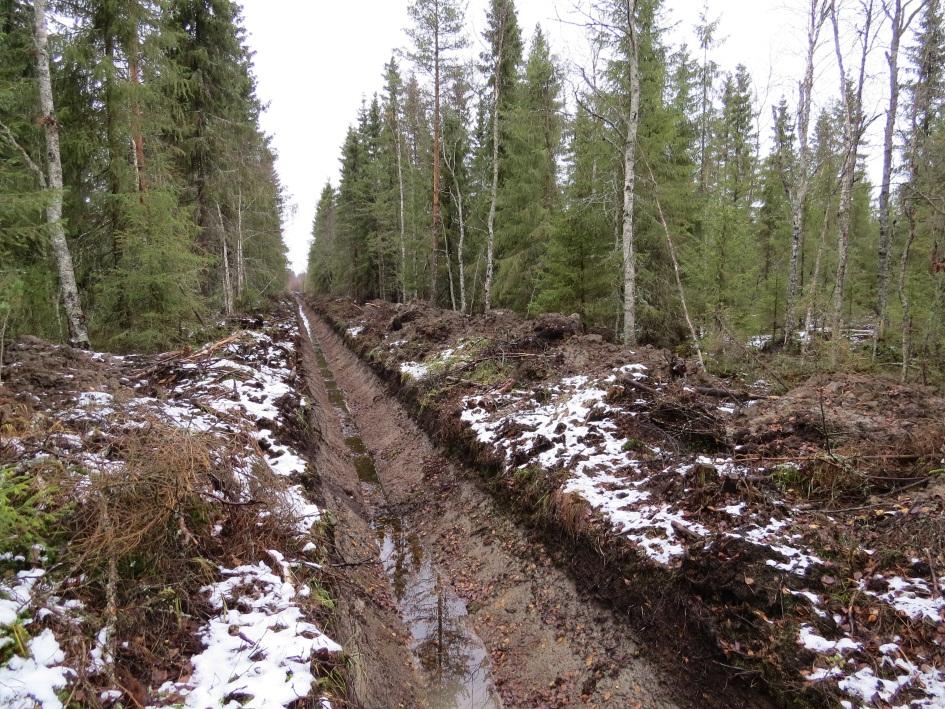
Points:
(258, 647)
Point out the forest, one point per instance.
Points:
(139, 196)
(613, 378)
(651, 191)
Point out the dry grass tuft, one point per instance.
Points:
(153, 503)
(571, 511)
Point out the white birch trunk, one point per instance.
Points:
(798, 194)
(403, 223)
(78, 335)
(899, 24)
(815, 278)
(227, 280)
(490, 222)
(240, 263)
(459, 249)
(852, 129)
(457, 194)
(629, 181)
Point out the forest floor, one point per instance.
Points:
(161, 543)
(795, 542)
(397, 506)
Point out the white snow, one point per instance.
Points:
(34, 680)
(94, 399)
(355, 331)
(416, 370)
(812, 641)
(14, 599)
(259, 646)
(259, 642)
(913, 597)
(571, 432)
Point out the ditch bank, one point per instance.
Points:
(550, 640)
(744, 536)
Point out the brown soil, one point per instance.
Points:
(365, 620)
(172, 502)
(549, 643)
(852, 459)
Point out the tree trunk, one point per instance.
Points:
(137, 138)
(115, 148)
(78, 336)
(899, 25)
(494, 190)
(676, 271)
(798, 192)
(436, 163)
(629, 180)
(227, 280)
(853, 130)
(815, 277)
(403, 223)
(449, 270)
(904, 297)
(457, 193)
(461, 262)
(240, 263)
(844, 224)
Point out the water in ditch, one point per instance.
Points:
(452, 656)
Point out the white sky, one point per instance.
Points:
(316, 59)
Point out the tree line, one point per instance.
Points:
(656, 196)
(138, 196)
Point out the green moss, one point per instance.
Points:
(489, 373)
(635, 445)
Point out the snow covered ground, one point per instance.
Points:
(259, 646)
(571, 427)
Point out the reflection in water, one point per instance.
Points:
(452, 657)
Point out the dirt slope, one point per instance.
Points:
(549, 643)
(795, 539)
(160, 542)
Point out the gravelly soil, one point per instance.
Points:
(548, 645)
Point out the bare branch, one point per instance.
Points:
(7, 134)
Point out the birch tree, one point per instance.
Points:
(928, 96)
(501, 62)
(78, 335)
(900, 17)
(853, 126)
(625, 27)
(616, 25)
(797, 181)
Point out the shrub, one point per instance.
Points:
(24, 515)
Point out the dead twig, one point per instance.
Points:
(345, 564)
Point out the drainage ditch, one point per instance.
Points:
(450, 655)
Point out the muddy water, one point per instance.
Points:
(452, 657)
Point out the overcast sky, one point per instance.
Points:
(315, 61)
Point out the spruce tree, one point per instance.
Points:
(529, 198)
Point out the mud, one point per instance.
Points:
(820, 508)
(451, 657)
(547, 643)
